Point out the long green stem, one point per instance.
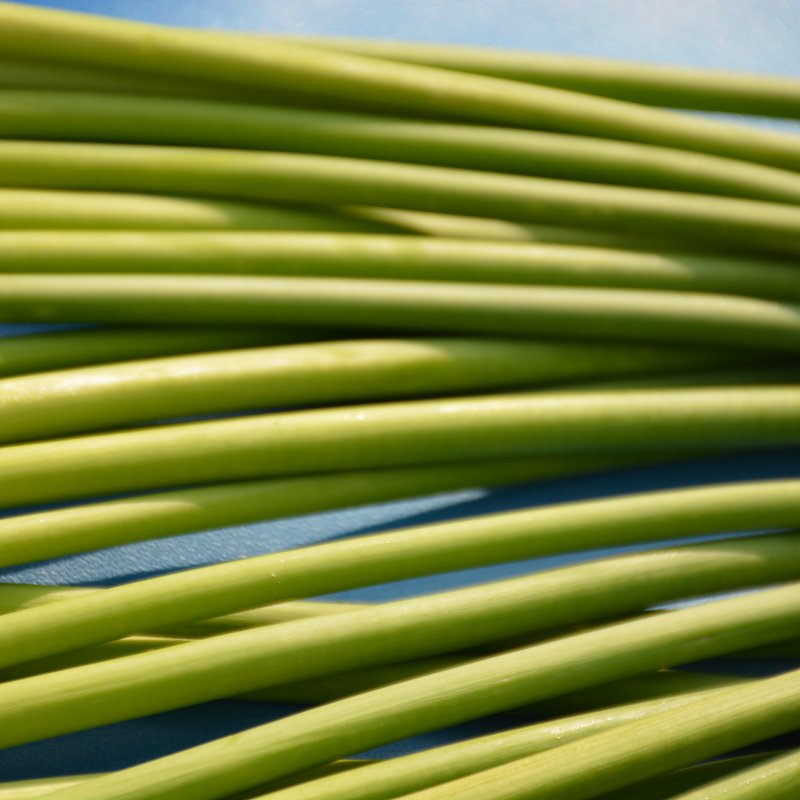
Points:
(50, 534)
(352, 303)
(34, 209)
(652, 84)
(337, 181)
(392, 257)
(642, 749)
(87, 696)
(489, 685)
(152, 120)
(776, 779)
(77, 38)
(42, 352)
(324, 373)
(209, 591)
(422, 432)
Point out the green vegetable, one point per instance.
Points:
(113, 395)
(56, 36)
(422, 432)
(488, 685)
(393, 257)
(335, 181)
(350, 303)
(152, 120)
(652, 84)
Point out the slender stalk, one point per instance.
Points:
(642, 749)
(151, 120)
(422, 432)
(336, 181)
(393, 257)
(399, 776)
(374, 83)
(96, 694)
(50, 534)
(34, 209)
(652, 84)
(776, 779)
(352, 303)
(323, 373)
(42, 352)
(454, 695)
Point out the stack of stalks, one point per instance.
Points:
(389, 271)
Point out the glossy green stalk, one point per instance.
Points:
(337, 181)
(410, 773)
(200, 593)
(353, 303)
(393, 257)
(373, 83)
(642, 749)
(50, 534)
(323, 373)
(454, 695)
(39, 209)
(423, 432)
(192, 672)
(152, 120)
(652, 84)
(776, 779)
(42, 352)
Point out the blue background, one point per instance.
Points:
(758, 35)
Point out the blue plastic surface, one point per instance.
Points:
(754, 35)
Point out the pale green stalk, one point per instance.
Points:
(414, 258)
(633, 315)
(776, 779)
(319, 374)
(370, 82)
(450, 696)
(652, 84)
(65, 531)
(322, 180)
(87, 696)
(641, 422)
(87, 117)
(642, 749)
(41, 209)
(42, 352)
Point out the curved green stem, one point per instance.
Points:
(324, 373)
(152, 120)
(489, 685)
(336, 181)
(372, 82)
(352, 303)
(393, 257)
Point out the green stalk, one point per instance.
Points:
(353, 303)
(374, 83)
(642, 749)
(336, 181)
(50, 534)
(652, 84)
(422, 432)
(42, 352)
(33, 209)
(192, 672)
(776, 779)
(450, 696)
(197, 594)
(399, 776)
(152, 120)
(392, 257)
(323, 373)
